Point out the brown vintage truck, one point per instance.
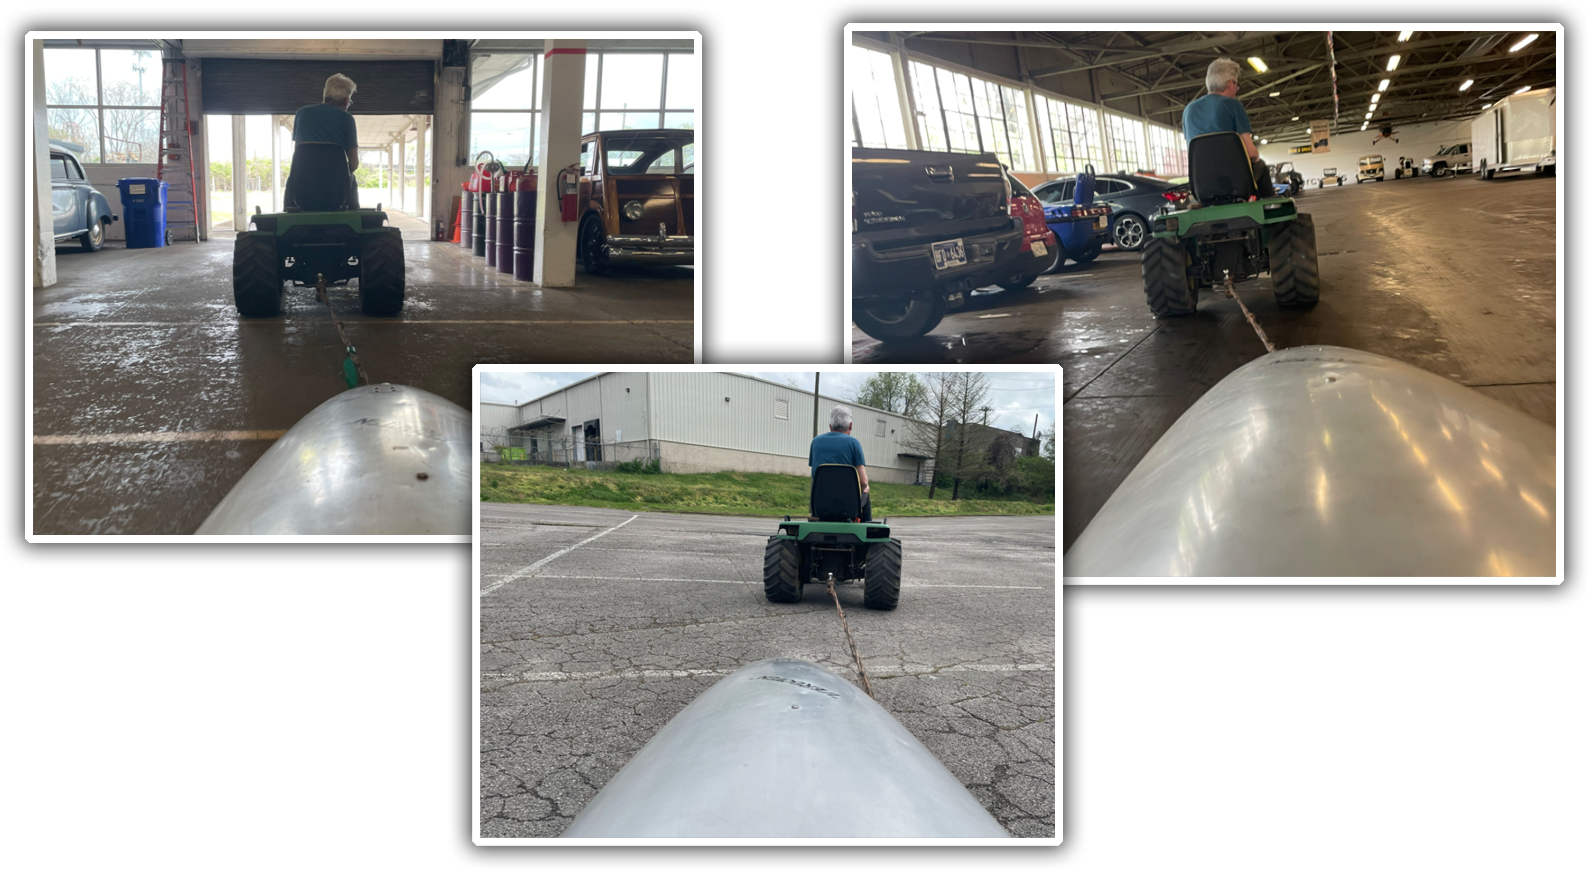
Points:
(636, 199)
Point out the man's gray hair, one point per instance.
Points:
(1222, 72)
(841, 418)
(339, 89)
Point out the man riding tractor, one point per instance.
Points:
(1220, 111)
(326, 152)
(838, 447)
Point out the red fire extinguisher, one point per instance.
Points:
(568, 190)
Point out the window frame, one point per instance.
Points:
(99, 106)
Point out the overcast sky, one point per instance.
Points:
(1016, 398)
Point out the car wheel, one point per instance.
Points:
(94, 239)
(1129, 232)
(592, 246)
(1440, 170)
(901, 319)
(1089, 252)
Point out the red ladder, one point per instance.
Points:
(176, 152)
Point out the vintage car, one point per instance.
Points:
(636, 199)
(1331, 176)
(81, 212)
(1370, 168)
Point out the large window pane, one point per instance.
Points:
(958, 111)
(218, 151)
(131, 136)
(592, 72)
(508, 136)
(131, 78)
(79, 127)
(879, 119)
(69, 77)
(679, 120)
(630, 81)
(506, 84)
(1128, 143)
(1019, 136)
(928, 108)
(611, 121)
(589, 124)
(683, 81)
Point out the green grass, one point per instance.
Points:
(725, 492)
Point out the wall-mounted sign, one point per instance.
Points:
(1304, 149)
(1319, 136)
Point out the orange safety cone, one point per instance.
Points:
(457, 223)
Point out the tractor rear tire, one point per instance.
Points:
(256, 276)
(383, 276)
(1165, 270)
(784, 584)
(883, 572)
(1292, 254)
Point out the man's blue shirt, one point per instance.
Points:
(325, 124)
(1215, 113)
(835, 448)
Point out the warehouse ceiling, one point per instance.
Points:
(1156, 73)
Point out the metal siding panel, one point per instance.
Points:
(251, 85)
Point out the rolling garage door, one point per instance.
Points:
(246, 85)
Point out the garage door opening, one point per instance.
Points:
(250, 158)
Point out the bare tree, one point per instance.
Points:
(967, 452)
(929, 435)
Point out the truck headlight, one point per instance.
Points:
(634, 210)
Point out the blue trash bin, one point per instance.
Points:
(143, 205)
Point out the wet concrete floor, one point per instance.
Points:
(147, 341)
(1455, 276)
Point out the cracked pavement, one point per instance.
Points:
(584, 657)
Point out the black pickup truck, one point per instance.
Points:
(926, 225)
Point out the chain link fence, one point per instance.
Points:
(569, 452)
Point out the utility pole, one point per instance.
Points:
(815, 409)
(1034, 437)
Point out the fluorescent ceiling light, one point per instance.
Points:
(1369, 115)
(1486, 106)
(1524, 40)
(1264, 140)
(1465, 85)
(1261, 66)
(1394, 61)
(1383, 85)
(1272, 94)
(1404, 35)
(1523, 89)
(1308, 128)
(1296, 119)
(1376, 96)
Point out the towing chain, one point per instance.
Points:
(866, 680)
(1228, 291)
(352, 371)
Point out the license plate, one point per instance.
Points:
(946, 255)
(1101, 223)
(1039, 248)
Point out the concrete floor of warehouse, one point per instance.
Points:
(131, 343)
(1455, 276)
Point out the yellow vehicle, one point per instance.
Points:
(1331, 176)
(1371, 169)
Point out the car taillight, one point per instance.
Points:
(1177, 196)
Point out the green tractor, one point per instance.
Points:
(1217, 232)
(314, 248)
(835, 543)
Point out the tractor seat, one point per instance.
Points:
(835, 494)
(1220, 172)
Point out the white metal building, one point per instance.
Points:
(698, 422)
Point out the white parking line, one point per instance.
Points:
(387, 321)
(156, 437)
(894, 670)
(541, 562)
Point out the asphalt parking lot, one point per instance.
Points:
(591, 640)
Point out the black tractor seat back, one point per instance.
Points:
(1220, 171)
(835, 494)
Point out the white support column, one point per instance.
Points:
(561, 126)
(391, 173)
(421, 206)
(906, 94)
(402, 170)
(43, 191)
(275, 162)
(239, 172)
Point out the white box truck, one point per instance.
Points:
(1515, 134)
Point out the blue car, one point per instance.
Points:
(1082, 224)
